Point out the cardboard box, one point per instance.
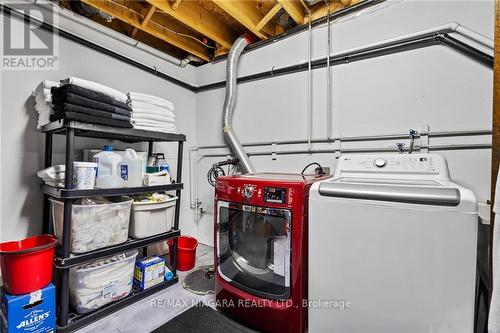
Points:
(149, 272)
(34, 312)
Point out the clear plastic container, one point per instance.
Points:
(94, 226)
(101, 282)
(152, 218)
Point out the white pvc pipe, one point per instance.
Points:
(475, 36)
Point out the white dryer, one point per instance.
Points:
(392, 247)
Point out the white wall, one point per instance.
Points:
(435, 86)
(21, 145)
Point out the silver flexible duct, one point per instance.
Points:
(229, 102)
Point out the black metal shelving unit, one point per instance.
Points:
(67, 320)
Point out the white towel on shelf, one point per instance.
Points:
(149, 106)
(97, 87)
(156, 129)
(43, 101)
(494, 316)
(147, 112)
(152, 117)
(161, 126)
(139, 97)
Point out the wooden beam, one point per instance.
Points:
(269, 16)
(320, 10)
(133, 32)
(200, 20)
(167, 31)
(295, 9)
(495, 144)
(176, 4)
(148, 16)
(247, 14)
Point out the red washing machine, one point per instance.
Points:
(261, 249)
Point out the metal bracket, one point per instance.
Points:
(274, 150)
(424, 138)
(337, 146)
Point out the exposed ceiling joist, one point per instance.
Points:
(148, 16)
(295, 9)
(247, 14)
(199, 19)
(164, 29)
(320, 10)
(268, 17)
(176, 4)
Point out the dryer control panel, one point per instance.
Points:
(432, 165)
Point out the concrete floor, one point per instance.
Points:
(150, 313)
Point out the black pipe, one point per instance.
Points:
(418, 43)
(469, 51)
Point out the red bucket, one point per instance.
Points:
(27, 264)
(186, 252)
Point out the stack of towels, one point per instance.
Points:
(152, 113)
(43, 101)
(90, 102)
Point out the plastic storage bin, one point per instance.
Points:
(152, 218)
(26, 265)
(94, 226)
(101, 282)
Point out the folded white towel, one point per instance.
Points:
(138, 97)
(150, 106)
(152, 117)
(43, 101)
(44, 87)
(157, 125)
(154, 129)
(148, 112)
(97, 87)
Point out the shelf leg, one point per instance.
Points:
(70, 158)
(46, 227)
(66, 232)
(64, 297)
(180, 150)
(150, 148)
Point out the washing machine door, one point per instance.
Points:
(253, 248)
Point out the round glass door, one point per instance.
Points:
(254, 249)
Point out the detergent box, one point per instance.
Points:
(149, 272)
(34, 312)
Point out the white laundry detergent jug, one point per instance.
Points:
(131, 169)
(108, 170)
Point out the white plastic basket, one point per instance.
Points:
(152, 218)
(94, 226)
(101, 282)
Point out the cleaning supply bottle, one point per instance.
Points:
(108, 168)
(131, 169)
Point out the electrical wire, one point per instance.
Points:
(214, 173)
(168, 29)
(320, 171)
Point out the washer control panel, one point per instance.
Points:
(433, 165)
(380, 162)
(276, 195)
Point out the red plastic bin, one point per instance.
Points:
(27, 264)
(186, 252)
